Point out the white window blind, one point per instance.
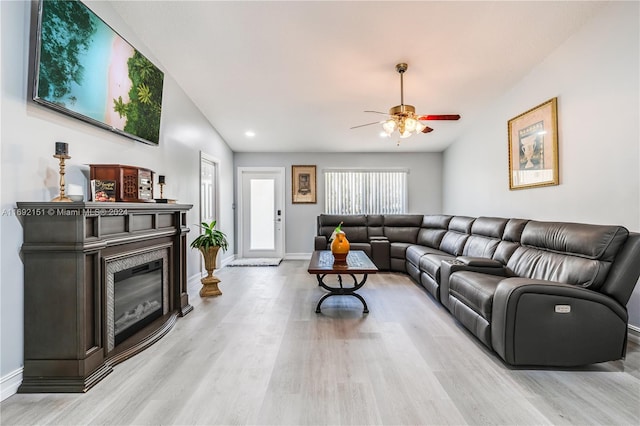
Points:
(365, 191)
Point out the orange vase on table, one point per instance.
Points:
(340, 248)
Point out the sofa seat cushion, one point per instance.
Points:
(430, 264)
(414, 253)
(398, 250)
(475, 290)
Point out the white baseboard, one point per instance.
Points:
(227, 260)
(297, 256)
(10, 383)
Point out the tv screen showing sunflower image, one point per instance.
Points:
(83, 68)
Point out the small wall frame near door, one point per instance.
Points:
(260, 213)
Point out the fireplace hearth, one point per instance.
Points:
(102, 282)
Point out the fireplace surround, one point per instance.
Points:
(72, 253)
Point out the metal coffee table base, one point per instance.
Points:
(342, 291)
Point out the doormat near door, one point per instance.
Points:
(256, 261)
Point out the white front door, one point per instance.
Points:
(261, 211)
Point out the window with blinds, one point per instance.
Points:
(365, 191)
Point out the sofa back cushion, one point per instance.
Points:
(569, 253)
(513, 230)
(456, 236)
(510, 241)
(375, 223)
(478, 246)
(402, 228)
(589, 241)
(504, 251)
(430, 237)
(437, 221)
(354, 226)
(461, 224)
(492, 227)
(433, 229)
(486, 234)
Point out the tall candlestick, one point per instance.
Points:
(62, 197)
(161, 182)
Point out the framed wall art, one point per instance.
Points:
(303, 184)
(84, 69)
(533, 147)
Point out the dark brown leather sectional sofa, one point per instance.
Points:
(537, 293)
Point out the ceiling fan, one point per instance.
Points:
(403, 118)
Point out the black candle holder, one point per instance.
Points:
(161, 182)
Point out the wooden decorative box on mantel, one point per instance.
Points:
(77, 257)
(133, 184)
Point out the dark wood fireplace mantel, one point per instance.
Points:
(66, 250)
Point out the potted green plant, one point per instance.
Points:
(209, 242)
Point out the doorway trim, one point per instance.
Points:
(240, 209)
(211, 159)
(216, 199)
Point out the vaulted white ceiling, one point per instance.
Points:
(300, 74)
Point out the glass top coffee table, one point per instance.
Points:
(322, 264)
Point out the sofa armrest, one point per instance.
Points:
(320, 242)
(464, 263)
(381, 252)
(537, 322)
(479, 261)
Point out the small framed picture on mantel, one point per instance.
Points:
(303, 184)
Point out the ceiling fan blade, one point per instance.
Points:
(378, 112)
(440, 117)
(363, 125)
(427, 130)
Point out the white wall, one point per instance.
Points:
(424, 185)
(594, 74)
(29, 172)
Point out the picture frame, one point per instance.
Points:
(84, 69)
(533, 147)
(303, 184)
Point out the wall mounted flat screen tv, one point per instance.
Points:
(83, 68)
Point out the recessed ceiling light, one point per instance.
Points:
(384, 135)
(249, 133)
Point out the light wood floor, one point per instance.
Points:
(259, 354)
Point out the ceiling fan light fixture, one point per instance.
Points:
(389, 126)
(405, 134)
(410, 124)
(403, 117)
